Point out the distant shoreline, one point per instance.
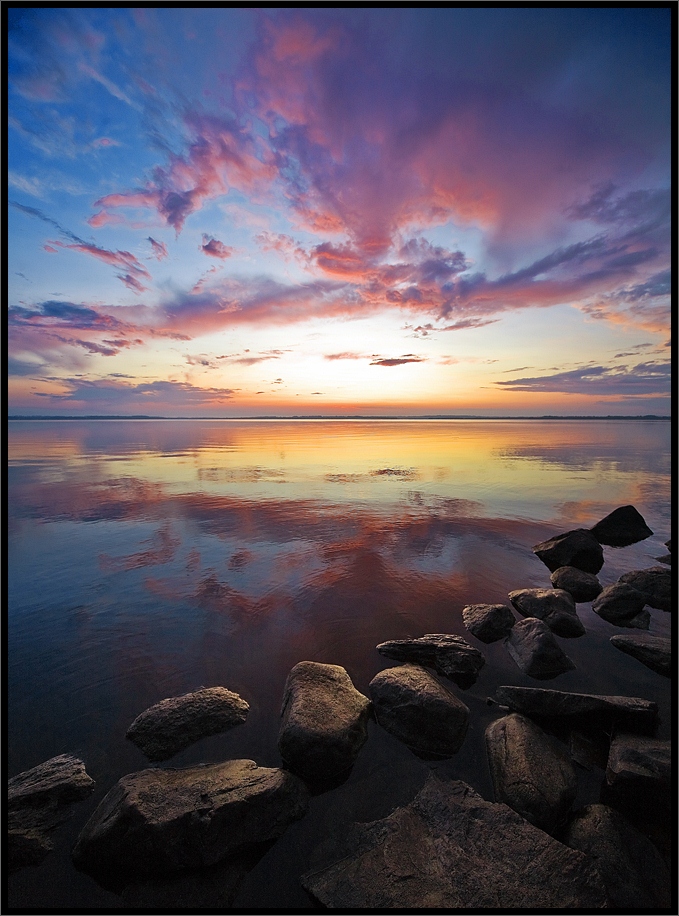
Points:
(353, 417)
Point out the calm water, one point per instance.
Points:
(150, 558)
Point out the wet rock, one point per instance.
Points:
(413, 706)
(653, 651)
(450, 849)
(655, 584)
(324, 721)
(531, 771)
(173, 724)
(554, 606)
(621, 527)
(582, 586)
(451, 656)
(159, 821)
(536, 652)
(488, 622)
(577, 548)
(622, 605)
(639, 771)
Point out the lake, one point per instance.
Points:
(149, 558)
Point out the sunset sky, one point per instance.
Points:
(339, 211)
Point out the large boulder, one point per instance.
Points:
(655, 584)
(577, 548)
(621, 527)
(653, 651)
(173, 724)
(324, 721)
(622, 605)
(159, 821)
(531, 771)
(449, 849)
(554, 606)
(488, 622)
(450, 656)
(532, 646)
(639, 772)
(582, 586)
(413, 706)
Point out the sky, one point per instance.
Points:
(247, 212)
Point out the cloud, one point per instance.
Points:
(215, 248)
(159, 397)
(642, 380)
(346, 355)
(399, 361)
(159, 249)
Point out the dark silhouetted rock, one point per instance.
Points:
(413, 706)
(668, 544)
(532, 646)
(531, 771)
(582, 586)
(639, 770)
(653, 651)
(622, 527)
(173, 724)
(665, 558)
(488, 622)
(160, 821)
(655, 584)
(449, 849)
(324, 721)
(622, 605)
(554, 606)
(451, 656)
(577, 548)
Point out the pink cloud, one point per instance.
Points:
(159, 249)
(215, 249)
(124, 260)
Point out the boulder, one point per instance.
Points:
(531, 771)
(413, 706)
(554, 606)
(173, 724)
(655, 584)
(577, 548)
(639, 772)
(621, 527)
(622, 605)
(666, 558)
(582, 586)
(653, 651)
(532, 646)
(449, 849)
(324, 721)
(159, 821)
(488, 622)
(668, 544)
(451, 656)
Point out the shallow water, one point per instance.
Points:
(150, 558)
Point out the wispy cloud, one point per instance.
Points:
(644, 379)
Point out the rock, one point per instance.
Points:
(639, 770)
(666, 558)
(324, 721)
(450, 849)
(582, 586)
(655, 584)
(451, 656)
(577, 548)
(622, 605)
(413, 706)
(536, 652)
(159, 821)
(582, 709)
(173, 724)
(531, 771)
(653, 651)
(25, 846)
(554, 606)
(621, 527)
(632, 869)
(488, 622)
(668, 544)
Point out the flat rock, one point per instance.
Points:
(582, 586)
(532, 646)
(655, 584)
(413, 706)
(531, 771)
(665, 558)
(621, 527)
(653, 651)
(639, 766)
(554, 606)
(622, 605)
(450, 656)
(160, 821)
(488, 622)
(450, 849)
(324, 721)
(173, 724)
(577, 548)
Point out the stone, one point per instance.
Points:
(449, 849)
(577, 548)
(582, 586)
(653, 651)
(666, 558)
(668, 544)
(412, 705)
(530, 771)
(488, 622)
(621, 527)
(640, 768)
(160, 821)
(324, 721)
(554, 606)
(622, 605)
(450, 656)
(532, 646)
(655, 584)
(173, 724)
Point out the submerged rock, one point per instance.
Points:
(582, 586)
(653, 651)
(655, 584)
(639, 771)
(451, 656)
(532, 646)
(621, 527)
(554, 606)
(488, 622)
(577, 548)
(622, 605)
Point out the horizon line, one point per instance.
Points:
(347, 417)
